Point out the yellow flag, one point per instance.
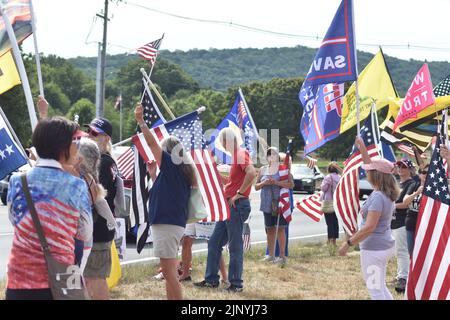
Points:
(374, 86)
(9, 77)
(116, 271)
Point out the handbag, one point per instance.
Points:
(65, 281)
(327, 205)
(120, 207)
(196, 207)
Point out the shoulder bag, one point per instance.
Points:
(65, 281)
(327, 205)
(196, 207)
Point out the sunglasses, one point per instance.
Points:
(92, 132)
(423, 172)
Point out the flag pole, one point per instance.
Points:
(14, 135)
(20, 67)
(37, 55)
(152, 86)
(146, 82)
(380, 146)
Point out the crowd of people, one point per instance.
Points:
(74, 184)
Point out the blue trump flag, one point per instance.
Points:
(335, 61)
(322, 91)
(10, 156)
(240, 121)
(322, 110)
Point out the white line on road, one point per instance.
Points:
(124, 263)
(6, 234)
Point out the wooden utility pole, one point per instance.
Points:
(101, 101)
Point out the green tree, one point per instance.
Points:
(85, 110)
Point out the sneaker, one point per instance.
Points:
(205, 284)
(400, 285)
(225, 283)
(233, 288)
(159, 276)
(268, 259)
(280, 261)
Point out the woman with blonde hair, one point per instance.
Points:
(375, 235)
(169, 196)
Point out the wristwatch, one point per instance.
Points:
(141, 125)
(239, 193)
(349, 243)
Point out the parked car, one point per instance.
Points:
(306, 179)
(4, 188)
(365, 188)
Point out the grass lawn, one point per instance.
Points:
(312, 273)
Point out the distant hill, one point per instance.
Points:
(221, 69)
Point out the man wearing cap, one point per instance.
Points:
(98, 266)
(407, 186)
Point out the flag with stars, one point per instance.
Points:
(142, 182)
(188, 129)
(346, 196)
(322, 110)
(10, 156)
(430, 262)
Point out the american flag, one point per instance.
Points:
(346, 196)
(142, 182)
(311, 206)
(284, 204)
(188, 129)
(246, 236)
(150, 50)
(125, 163)
(406, 148)
(429, 275)
(310, 162)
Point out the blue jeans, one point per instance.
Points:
(230, 232)
(410, 241)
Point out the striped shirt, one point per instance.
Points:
(62, 204)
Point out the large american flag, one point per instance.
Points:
(142, 182)
(429, 275)
(150, 51)
(188, 129)
(346, 196)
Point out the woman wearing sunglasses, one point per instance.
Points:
(413, 201)
(98, 266)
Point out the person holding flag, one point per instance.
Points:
(375, 235)
(268, 181)
(169, 196)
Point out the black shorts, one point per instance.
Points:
(270, 221)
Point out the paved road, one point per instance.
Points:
(301, 227)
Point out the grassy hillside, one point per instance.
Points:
(221, 69)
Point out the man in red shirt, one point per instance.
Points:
(237, 191)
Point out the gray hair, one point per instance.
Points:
(173, 146)
(90, 154)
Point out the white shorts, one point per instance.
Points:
(200, 230)
(166, 240)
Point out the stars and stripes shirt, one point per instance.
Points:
(63, 208)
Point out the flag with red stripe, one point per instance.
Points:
(311, 206)
(346, 195)
(310, 162)
(188, 129)
(429, 275)
(125, 163)
(150, 51)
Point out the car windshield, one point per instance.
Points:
(304, 171)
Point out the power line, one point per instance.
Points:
(232, 24)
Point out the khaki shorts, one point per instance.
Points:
(166, 240)
(98, 265)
